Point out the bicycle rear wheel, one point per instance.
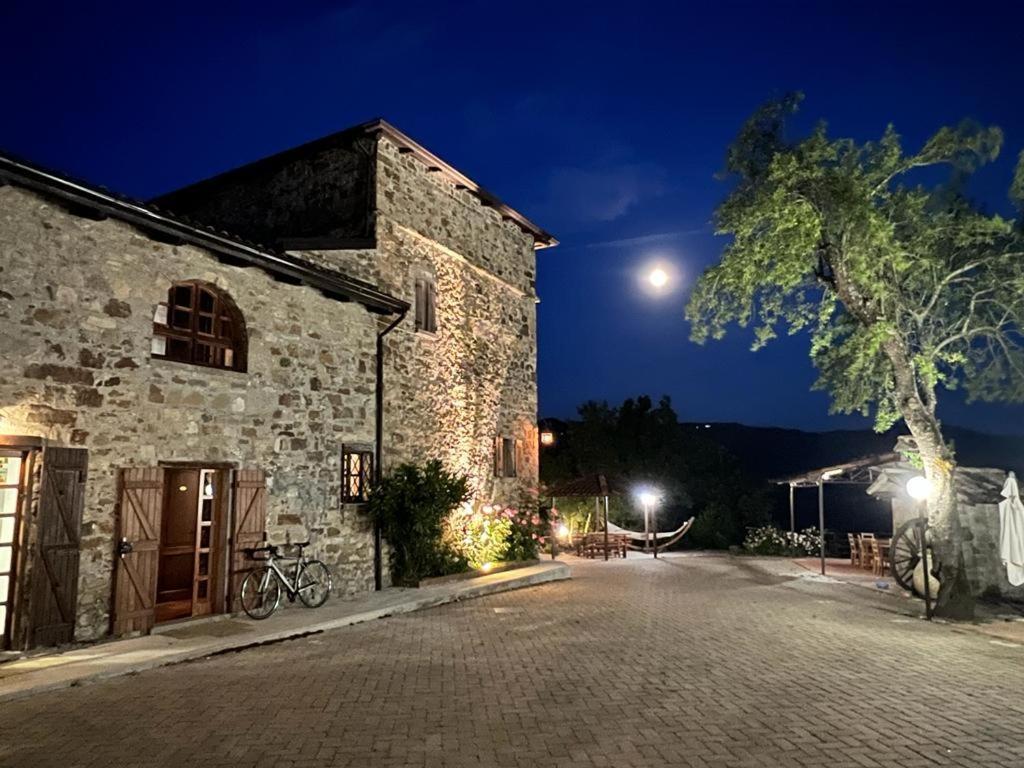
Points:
(261, 593)
(314, 584)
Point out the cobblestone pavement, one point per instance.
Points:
(695, 661)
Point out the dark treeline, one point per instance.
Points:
(642, 444)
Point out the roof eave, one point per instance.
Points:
(150, 219)
(541, 238)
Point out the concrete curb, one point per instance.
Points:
(125, 657)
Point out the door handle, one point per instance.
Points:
(125, 547)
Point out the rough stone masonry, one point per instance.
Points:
(77, 303)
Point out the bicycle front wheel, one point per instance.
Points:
(314, 584)
(261, 593)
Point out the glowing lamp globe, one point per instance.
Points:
(658, 277)
(547, 438)
(919, 487)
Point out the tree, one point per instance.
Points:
(905, 289)
(638, 443)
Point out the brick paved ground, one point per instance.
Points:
(690, 662)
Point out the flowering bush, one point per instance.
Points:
(529, 532)
(769, 540)
(491, 533)
(480, 536)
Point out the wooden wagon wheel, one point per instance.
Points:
(905, 552)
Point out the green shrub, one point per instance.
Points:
(411, 505)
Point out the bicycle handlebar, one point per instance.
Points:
(273, 550)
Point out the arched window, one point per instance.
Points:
(200, 324)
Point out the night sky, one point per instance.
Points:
(606, 127)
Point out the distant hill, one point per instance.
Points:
(771, 452)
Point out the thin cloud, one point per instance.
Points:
(658, 237)
(587, 195)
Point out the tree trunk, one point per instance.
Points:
(916, 402)
(955, 600)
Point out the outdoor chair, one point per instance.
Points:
(881, 549)
(854, 550)
(578, 542)
(867, 554)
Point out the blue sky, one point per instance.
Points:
(606, 124)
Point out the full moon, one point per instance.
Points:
(658, 278)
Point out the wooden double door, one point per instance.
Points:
(181, 541)
(42, 496)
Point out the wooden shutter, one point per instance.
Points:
(55, 568)
(138, 549)
(248, 526)
(431, 296)
(499, 464)
(420, 300)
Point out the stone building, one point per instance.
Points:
(180, 379)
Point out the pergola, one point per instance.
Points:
(862, 471)
(600, 487)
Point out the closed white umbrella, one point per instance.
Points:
(1011, 531)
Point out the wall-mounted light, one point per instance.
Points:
(547, 438)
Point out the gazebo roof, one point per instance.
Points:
(586, 486)
(860, 470)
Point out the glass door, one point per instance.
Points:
(10, 488)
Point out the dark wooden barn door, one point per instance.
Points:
(138, 549)
(248, 526)
(55, 569)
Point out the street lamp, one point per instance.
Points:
(919, 488)
(547, 438)
(648, 498)
(658, 277)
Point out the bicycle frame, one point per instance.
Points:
(292, 588)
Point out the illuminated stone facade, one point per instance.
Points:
(77, 299)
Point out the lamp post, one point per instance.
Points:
(919, 488)
(648, 499)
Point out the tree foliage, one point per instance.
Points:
(904, 287)
(831, 236)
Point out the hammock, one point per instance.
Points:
(662, 540)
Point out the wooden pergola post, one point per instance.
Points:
(792, 510)
(821, 519)
(597, 516)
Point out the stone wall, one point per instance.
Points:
(77, 299)
(449, 395)
(410, 195)
(979, 521)
(326, 191)
(985, 570)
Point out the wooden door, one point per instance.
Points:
(138, 553)
(248, 526)
(54, 590)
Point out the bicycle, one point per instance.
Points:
(261, 588)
